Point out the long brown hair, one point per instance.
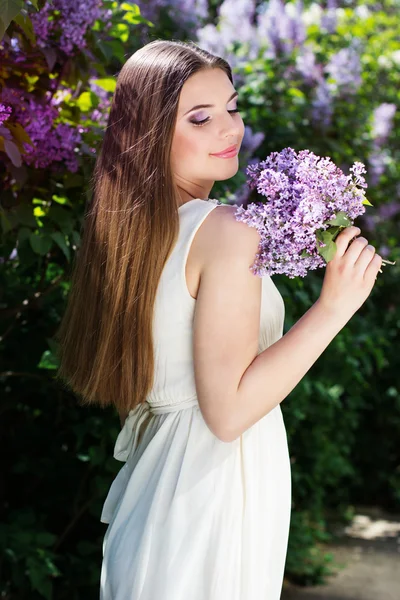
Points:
(131, 224)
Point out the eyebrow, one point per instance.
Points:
(209, 105)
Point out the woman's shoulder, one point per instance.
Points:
(223, 235)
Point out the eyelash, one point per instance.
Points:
(204, 121)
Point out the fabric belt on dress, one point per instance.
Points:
(128, 437)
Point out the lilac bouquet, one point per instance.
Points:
(309, 201)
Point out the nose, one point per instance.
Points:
(232, 129)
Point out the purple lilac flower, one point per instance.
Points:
(344, 67)
(389, 210)
(280, 30)
(322, 104)
(15, 98)
(382, 121)
(5, 112)
(379, 157)
(251, 141)
(100, 114)
(307, 65)
(235, 21)
(70, 19)
(51, 142)
(329, 17)
(234, 25)
(304, 193)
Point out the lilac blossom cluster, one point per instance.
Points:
(5, 112)
(51, 142)
(67, 19)
(31, 125)
(309, 200)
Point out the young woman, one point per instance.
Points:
(166, 322)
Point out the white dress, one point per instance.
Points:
(191, 517)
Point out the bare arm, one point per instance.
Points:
(276, 371)
(235, 386)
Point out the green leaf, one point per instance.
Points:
(329, 250)
(332, 232)
(39, 212)
(48, 361)
(107, 83)
(134, 19)
(25, 23)
(367, 202)
(38, 577)
(62, 218)
(61, 199)
(340, 219)
(6, 224)
(23, 234)
(85, 101)
(133, 8)
(59, 239)
(24, 215)
(9, 9)
(40, 244)
(120, 31)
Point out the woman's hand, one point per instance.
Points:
(351, 274)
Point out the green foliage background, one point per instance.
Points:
(343, 418)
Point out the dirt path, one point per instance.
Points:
(371, 549)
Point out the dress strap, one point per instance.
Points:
(192, 214)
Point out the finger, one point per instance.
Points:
(371, 272)
(355, 250)
(343, 239)
(365, 257)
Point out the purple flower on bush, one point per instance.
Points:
(382, 121)
(281, 27)
(5, 112)
(329, 17)
(381, 127)
(51, 142)
(68, 19)
(309, 200)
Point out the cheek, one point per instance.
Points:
(186, 145)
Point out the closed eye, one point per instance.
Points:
(204, 121)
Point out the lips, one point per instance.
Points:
(226, 151)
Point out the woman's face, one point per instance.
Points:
(200, 132)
